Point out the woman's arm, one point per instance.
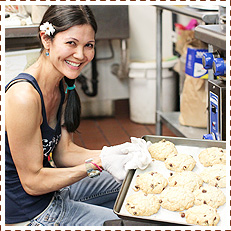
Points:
(23, 120)
(68, 154)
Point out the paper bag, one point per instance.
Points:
(194, 101)
(183, 38)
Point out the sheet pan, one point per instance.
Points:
(165, 217)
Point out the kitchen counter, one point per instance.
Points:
(207, 16)
(211, 34)
(21, 31)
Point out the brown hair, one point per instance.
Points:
(62, 17)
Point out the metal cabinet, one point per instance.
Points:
(113, 23)
(171, 118)
(215, 37)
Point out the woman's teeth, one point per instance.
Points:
(72, 64)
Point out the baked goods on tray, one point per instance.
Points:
(212, 156)
(215, 175)
(176, 198)
(186, 179)
(209, 195)
(162, 149)
(142, 204)
(202, 215)
(150, 182)
(180, 162)
(178, 187)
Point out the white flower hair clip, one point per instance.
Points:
(48, 28)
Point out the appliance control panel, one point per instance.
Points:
(214, 118)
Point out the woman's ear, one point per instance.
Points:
(45, 39)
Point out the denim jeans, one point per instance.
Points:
(88, 202)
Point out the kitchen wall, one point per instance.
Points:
(142, 21)
(141, 45)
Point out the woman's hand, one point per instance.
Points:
(120, 158)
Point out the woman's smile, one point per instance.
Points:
(73, 65)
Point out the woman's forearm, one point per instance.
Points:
(52, 179)
(75, 155)
(68, 154)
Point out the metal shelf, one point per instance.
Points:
(171, 119)
(21, 31)
(208, 17)
(211, 34)
(112, 24)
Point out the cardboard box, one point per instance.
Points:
(194, 66)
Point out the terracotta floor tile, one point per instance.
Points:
(94, 133)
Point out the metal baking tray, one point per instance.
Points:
(165, 217)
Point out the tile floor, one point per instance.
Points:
(96, 132)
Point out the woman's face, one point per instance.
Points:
(72, 49)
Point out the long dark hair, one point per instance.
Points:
(62, 17)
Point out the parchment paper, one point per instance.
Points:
(164, 214)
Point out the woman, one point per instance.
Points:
(42, 111)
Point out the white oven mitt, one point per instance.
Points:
(120, 158)
(141, 157)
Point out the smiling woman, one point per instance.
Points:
(42, 111)
(36, 127)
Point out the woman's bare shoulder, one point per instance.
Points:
(22, 93)
(22, 100)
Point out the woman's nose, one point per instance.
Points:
(79, 53)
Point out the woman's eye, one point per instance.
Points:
(90, 45)
(71, 43)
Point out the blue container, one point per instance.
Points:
(219, 67)
(194, 66)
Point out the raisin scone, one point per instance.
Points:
(150, 182)
(180, 162)
(215, 175)
(209, 195)
(176, 198)
(162, 149)
(186, 179)
(142, 204)
(212, 156)
(202, 215)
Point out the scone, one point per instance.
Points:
(142, 204)
(162, 149)
(150, 182)
(209, 195)
(186, 179)
(212, 156)
(202, 215)
(215, 175)
(180, 162)
(176, 198)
